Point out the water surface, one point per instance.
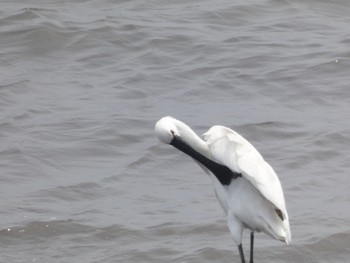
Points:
(83, 178)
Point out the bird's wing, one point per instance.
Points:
(231, 149)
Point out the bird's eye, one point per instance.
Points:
(172, 132)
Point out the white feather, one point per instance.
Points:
(249, 201)
(231, 149)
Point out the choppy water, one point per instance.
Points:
(83, 178)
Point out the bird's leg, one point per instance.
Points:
(241, 254)
(251, 247)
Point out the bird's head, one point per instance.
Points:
(166, 129)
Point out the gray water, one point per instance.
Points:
(82, 83)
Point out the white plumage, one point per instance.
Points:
(254, 200)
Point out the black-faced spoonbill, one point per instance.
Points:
(246, 186)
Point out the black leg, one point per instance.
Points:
(251, 247)
(241, 254)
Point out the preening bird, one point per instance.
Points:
(246, 186)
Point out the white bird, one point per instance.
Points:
(246, 186)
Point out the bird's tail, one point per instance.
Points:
(280, 228)
(276, 224)
(288, 236)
